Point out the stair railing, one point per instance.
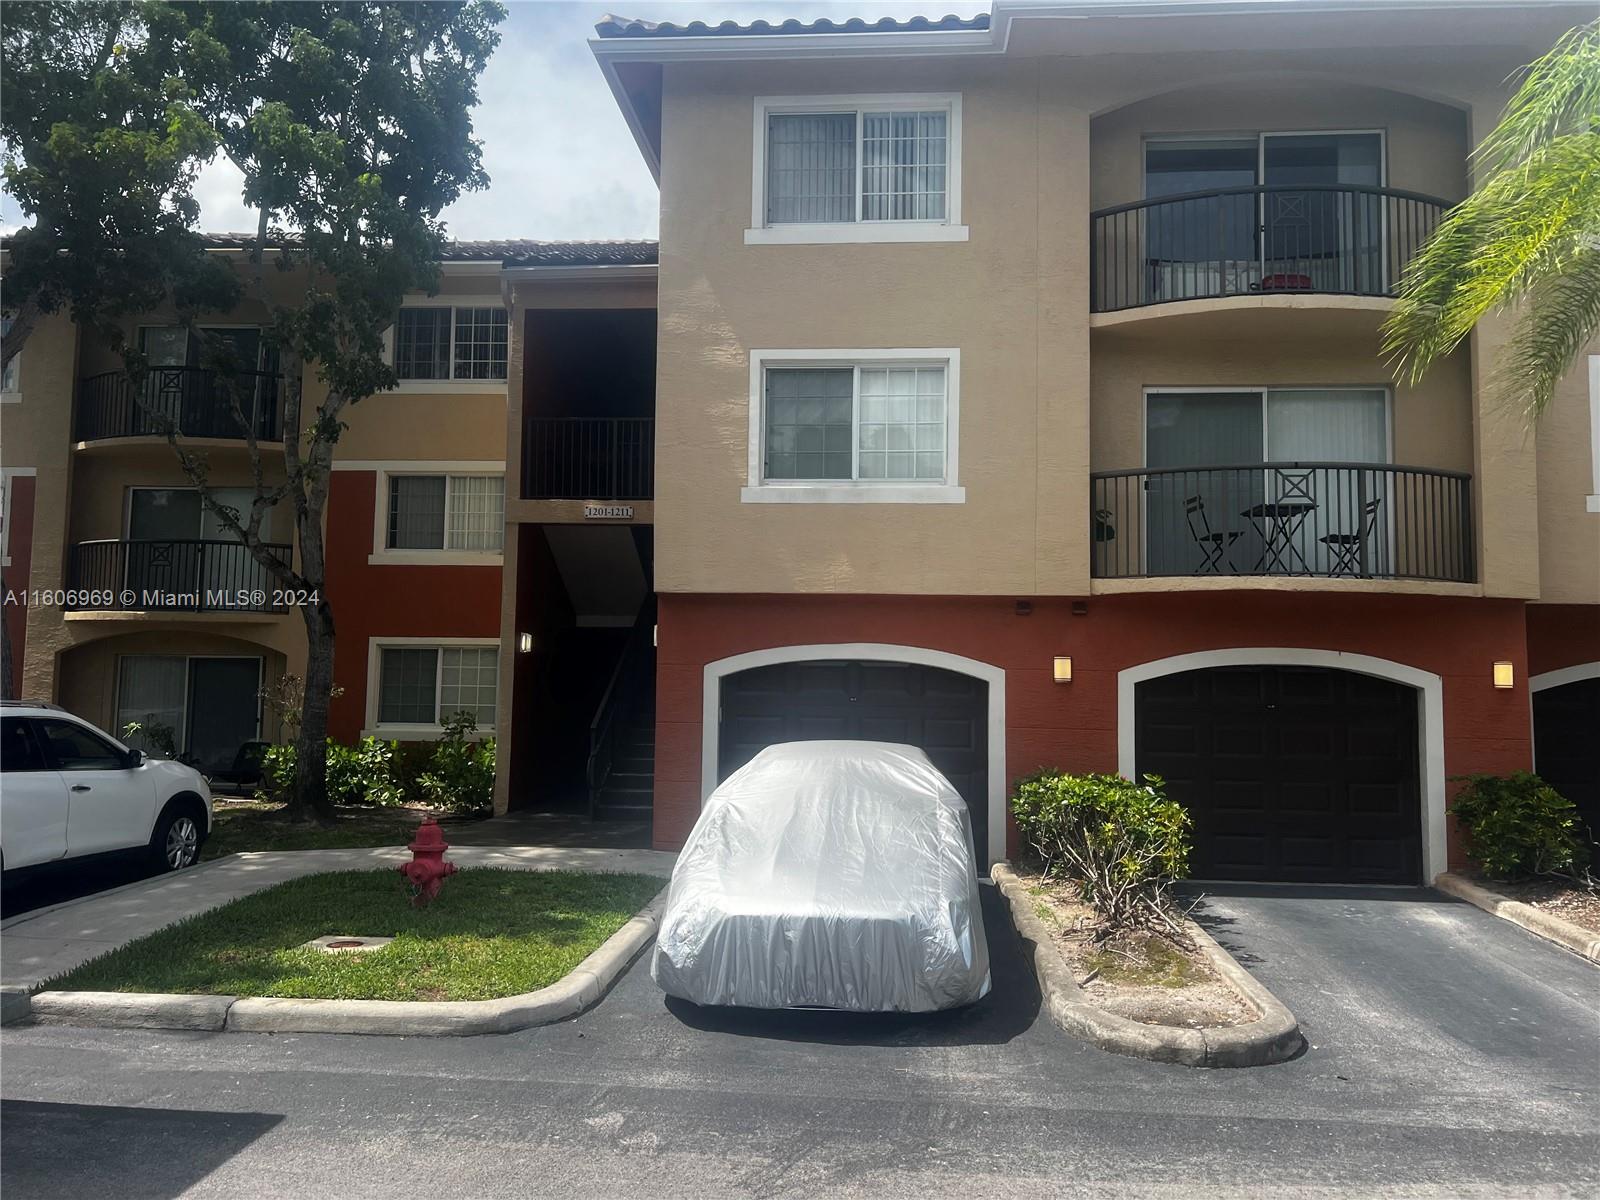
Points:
(616, 705)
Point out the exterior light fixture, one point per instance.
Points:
(1504, 675)
(1063, 669)
(524, 643)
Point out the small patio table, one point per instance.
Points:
(1278, 521)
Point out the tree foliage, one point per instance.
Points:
(1529, 235)
(351, 125)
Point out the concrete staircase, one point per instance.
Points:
(630, 786)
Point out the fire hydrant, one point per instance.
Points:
(427, 869)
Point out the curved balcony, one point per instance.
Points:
(196, 399)
(1322, 520)
(1256, 241)
(181, 575)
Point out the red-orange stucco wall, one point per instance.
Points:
(1562, 635)
(382, 600)
(1074, 726)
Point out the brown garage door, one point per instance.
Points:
(1291, 774)
(944, 713)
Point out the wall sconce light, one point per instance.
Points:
(524, 643)
(1504, 676)
(1063, 669)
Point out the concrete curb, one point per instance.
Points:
(1582, 942)
(1273, 1037)
(567, 997)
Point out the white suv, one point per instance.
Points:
(67, 790)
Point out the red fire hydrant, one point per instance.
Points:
(427, 869)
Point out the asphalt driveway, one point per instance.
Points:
(1453, 1054)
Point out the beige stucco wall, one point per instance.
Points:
(1569, 534)
(1045, 139)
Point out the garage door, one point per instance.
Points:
(1566, 751)
(944, 713)
(1291, 774)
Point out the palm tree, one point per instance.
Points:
(1528, 237)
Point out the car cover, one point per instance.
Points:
(830, 874)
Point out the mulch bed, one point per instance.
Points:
(1558, 897)
(1143, 976)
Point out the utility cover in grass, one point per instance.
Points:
(490, 933)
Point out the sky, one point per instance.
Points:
(561, 162)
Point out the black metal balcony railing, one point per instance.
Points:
(1259, 240)
(200, 575)
(197, 399)
(588, 458)
(1321, 519)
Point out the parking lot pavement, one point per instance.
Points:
(644, 1097)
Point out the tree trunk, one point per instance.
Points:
(310, 795)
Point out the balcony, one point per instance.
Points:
(1307, 519)
(195, 399)
(1256, 241)
(588, 458)
(199, 575)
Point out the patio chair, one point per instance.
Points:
(1214, 544)
(1347, 547)
(246, 769)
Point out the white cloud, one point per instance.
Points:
(561, 161)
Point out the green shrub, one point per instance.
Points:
(1517, 825)
(460, 774)
(277, 773)
(1123, 843)
(364, 773)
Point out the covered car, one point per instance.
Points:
(831, 874)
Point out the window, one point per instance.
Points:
(424, 686)
(18, 749)
(881, 427)
(10, 378)
(862, 169)
(446, 512)
(463, 343)
(76, 748)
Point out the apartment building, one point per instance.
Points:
(166, 620)
(1018, 395)
(1008, 386)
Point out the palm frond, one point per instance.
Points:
(1520, 228)
(1562, 317)
(1559, 94)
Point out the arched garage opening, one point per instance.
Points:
(950, 706)
(1566, 752)
(1297, 765)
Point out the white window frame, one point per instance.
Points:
(421, 733)
(830, 232)
(382, 555)
(14, 396)
(451, 386)
(760, 490)
(1591, 502)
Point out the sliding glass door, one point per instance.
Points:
(202, 708)
(1225, 494)
(1292, 235)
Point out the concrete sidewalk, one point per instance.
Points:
(44, 943)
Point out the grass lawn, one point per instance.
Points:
(490, 933)
(259, 825)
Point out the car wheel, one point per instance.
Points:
(176, 841)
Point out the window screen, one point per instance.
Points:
(477, 512)
(808, 423)
(422, 343)
(902, 432)
(468, 678)
(811, 167)
(407, 687)
(903, 166)
(416, 512)
(480, 343)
